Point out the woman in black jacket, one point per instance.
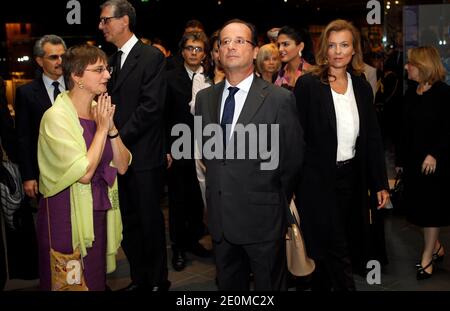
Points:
(344, 158)
(425, 152)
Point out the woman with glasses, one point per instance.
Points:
(79, 154)
(425, 152)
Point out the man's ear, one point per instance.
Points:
(40, 61)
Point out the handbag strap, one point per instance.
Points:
(48, 220)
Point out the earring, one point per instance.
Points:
(300, 54)
(80, 84)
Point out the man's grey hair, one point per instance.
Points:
(38, 49)
(122, 8)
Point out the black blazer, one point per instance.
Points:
(316, 197)
(32, 101)
(247, 204)
(139, 94)
(179, 94)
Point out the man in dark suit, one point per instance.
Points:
(247, 202)
(185, 198)
(138, 90)
(32, 100)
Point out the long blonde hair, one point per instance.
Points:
(428, 62)
(322, 67)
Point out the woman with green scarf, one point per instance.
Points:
(79, 156)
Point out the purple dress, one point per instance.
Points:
(61, 232)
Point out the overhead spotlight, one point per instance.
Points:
(26, 58)
(396, 2)
(219, 2)
(440, 42)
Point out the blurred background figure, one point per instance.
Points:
(424, 152)
(268, 62)
(290, 45)
(272, 34)
(185, 200)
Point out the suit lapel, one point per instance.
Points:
(217, 99)
(130, 62)
(329, 103)
(41, 94)
(254, 99)
(358, 98)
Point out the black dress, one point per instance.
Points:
(426, 131)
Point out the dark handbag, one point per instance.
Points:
(11, 191)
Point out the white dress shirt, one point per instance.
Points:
(50, 88)
(347, 122)
(239, 98)
(126, 48)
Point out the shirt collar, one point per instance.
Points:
(48, 82)
(191, 73)
(244, 85)
(126, 48)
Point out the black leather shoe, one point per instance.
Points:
(199, 250)
(163, 287)
(178, 260)
(436, 256)
(421, 273)
(133, 287)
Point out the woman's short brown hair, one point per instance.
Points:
(76, 59)
(428, 62)
(322, 67)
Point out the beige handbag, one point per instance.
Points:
(298, 262)
(66, 269)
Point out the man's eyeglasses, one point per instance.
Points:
(100, 70)
(237, 41)
(195, 49)
(105, 20)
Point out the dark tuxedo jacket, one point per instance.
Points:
(316, 197)
(179, 94)
(139, 94)
(32, 101)
(247, 204)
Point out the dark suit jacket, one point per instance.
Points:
(247, 204)
(139, 94)
(179, 94)
(316, 192)
(32, 101)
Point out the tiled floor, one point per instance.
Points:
(403, 243)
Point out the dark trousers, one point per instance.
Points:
(144, 241)
(334, 270)
(267, 261)
(185, 205)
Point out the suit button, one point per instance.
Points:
(224, 162)
(220, 192)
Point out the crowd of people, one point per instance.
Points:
(95, 143)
